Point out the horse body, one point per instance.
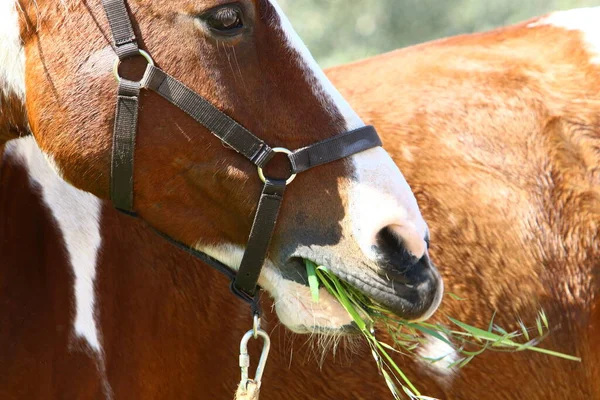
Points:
(497, 134)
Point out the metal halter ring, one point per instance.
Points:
(281, 150)
(118, 63)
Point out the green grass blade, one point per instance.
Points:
(391, 384)
(455, 363)
(337, 290)
(313, 280)
(396, 368)
(466, 361)
(544, 318)
(455, 297)
(467, 340)
(431, 332)
(554, 353)
(480, 333)
(523, 329)
(538, 322)
(491, 324)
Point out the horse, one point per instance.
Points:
(242, 65)
(511, 116)
(498, 134)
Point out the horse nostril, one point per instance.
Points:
(400, 248)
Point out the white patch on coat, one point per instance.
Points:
(77, 215)
(584, 20)
(12, 54)
(293, 301)
(438, 356)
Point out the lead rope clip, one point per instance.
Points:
(249, 388)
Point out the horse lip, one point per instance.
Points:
(410, 300)
(413, 302)
(349, 329)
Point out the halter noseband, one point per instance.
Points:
(233, 134)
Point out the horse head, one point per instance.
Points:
(358, 215)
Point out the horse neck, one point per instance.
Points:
(166, 311)
(113, 286)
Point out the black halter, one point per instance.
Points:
(229, 131)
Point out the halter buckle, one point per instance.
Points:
(281, 150)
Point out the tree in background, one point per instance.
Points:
(340, 31)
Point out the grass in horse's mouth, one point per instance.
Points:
(466, 340)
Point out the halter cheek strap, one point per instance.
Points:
(227, 130)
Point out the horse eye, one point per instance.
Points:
(225, 20)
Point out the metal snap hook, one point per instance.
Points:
(245, 357)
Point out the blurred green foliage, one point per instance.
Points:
(340, 31)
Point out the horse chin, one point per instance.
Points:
(298, 311)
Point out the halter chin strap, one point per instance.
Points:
(227, 130)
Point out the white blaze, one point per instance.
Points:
(380, 195)
(322, 86)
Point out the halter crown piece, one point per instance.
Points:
(244, 284)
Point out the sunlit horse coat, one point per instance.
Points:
(88, 321)
(497, 133)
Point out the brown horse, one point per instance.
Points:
(357, 215)
(498, 134)
(516, 225)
